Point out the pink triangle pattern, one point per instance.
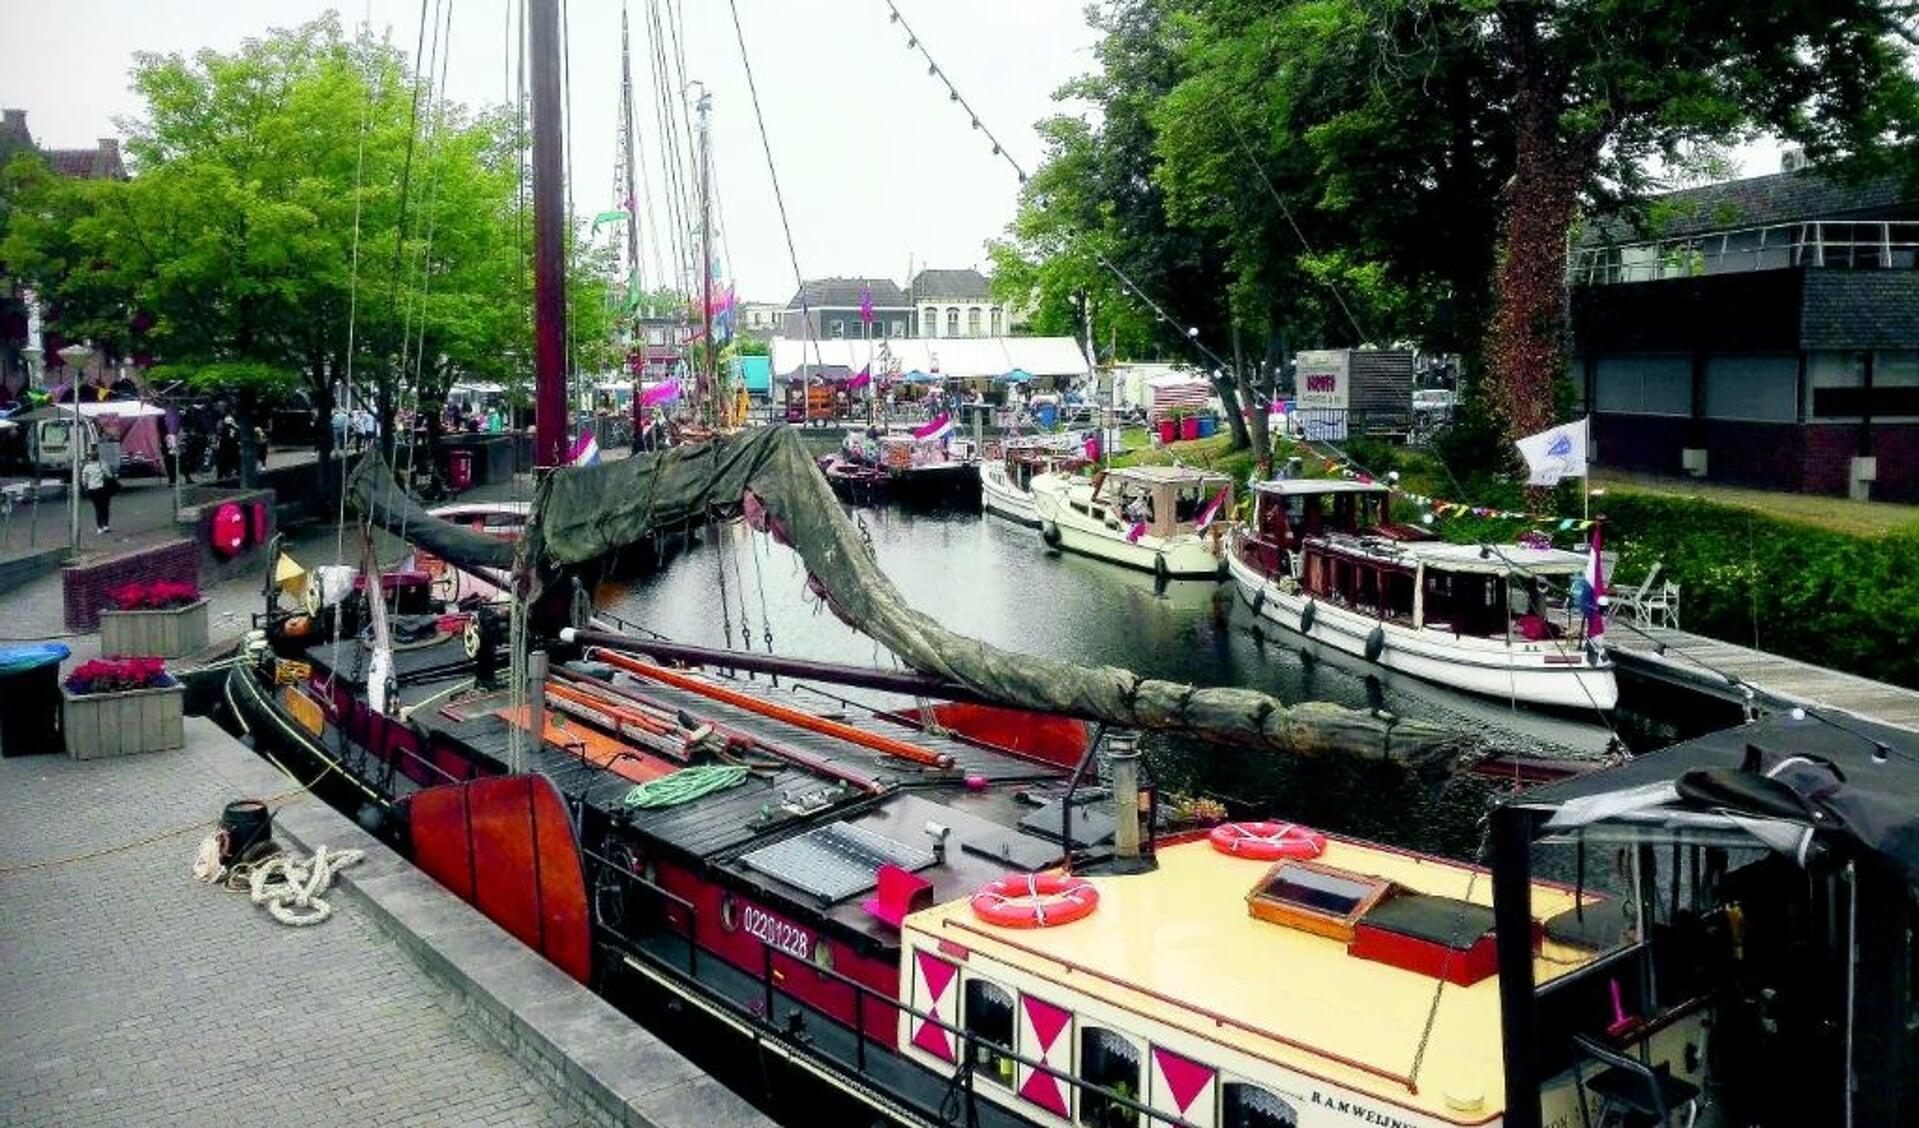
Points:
(1186, 1079)
(1047, 1021)
(930, 1036)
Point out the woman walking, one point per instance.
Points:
(99, 487)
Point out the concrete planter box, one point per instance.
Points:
(120, 724)
(172, 633)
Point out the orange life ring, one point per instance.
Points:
(1267, 841)
(1035, 900)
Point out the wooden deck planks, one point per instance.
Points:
(1786, 679)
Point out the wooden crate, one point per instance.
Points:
(173, 633)
(120, 724)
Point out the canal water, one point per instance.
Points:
(991, 578)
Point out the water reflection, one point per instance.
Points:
(991, 579)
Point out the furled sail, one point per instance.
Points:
(584, 514)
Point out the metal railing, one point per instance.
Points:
(1845, 244)
(967, 1044)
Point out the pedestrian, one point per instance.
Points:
(226, 448)
(339, 423)
(171, 455)
(260, 446)
(99, 488)
(193, 447)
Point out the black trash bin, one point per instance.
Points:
(30, 698)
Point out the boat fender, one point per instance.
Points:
(1306, 614)
(1049, 533)
(1259, 601)
(1160, 571)
(580, 608)
(1375, 644)
(729, 912)
(1266, 841)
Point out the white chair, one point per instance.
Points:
(1632, 601)
(1660, 607)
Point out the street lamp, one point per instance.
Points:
(75, 357)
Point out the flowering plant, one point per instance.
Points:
(114, 675)
(160, 595)
(1533, 538)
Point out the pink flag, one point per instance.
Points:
(939, 428)
(864, 378)
(660, 393)
(1213, 507)
(866, 304)
(1137, 531)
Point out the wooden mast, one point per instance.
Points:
(549, 265)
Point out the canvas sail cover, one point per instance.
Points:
(586, 513)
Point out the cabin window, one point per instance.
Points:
(1109, 1060)
(1249, 1106)
(1399, 594)
(989, 1021)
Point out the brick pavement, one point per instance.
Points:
(130, 995)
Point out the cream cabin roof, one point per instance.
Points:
(1179, 946)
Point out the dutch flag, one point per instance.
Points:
(939, 428)
(585, 452)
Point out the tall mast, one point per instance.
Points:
(632, 201)
(709, 380)
(549, 266)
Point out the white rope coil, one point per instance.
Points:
(290, 888)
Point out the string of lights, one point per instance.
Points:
(952, 92)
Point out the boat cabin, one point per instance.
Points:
(1168, 500)
(1748, 900)
(1230, 991)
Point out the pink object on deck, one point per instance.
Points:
(976, 783)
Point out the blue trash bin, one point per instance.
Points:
(30, 685)
(1207, 425)
(1048, 415)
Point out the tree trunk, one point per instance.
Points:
(1526, 350)
(247, 410)
(1255, 411)
(325, 477)
(1223, 383)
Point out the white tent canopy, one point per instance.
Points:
(952, 358)
(125, 409)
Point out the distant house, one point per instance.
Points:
(102, 162)
(1767, 333)
(830, 309)
(956, 303)
(760, 321)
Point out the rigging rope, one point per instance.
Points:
(686, 785)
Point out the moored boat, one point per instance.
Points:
(1167, 520)
(874, 465)
(1322, 558)
(1005, 481)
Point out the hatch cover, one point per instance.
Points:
(835, 862)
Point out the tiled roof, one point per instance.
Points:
(1860, 309)
(965, 285)
(1785, 197)
(845, 293)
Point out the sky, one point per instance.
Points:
(881, 172)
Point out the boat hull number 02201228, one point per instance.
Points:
(776, 933)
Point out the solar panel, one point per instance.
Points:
(836, 861)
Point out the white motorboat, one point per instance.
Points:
(1006, 481)
(1320, 558)
(1167, 520)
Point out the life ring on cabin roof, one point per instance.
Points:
(1267, 841)
(1035, 900)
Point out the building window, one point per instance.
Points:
(989, 1019)
(972, 322)
(1110, 1061)
(952, 321)
(998, 331)
(930, 322)
(896, 328)
(839, 328)
(1249, 1106)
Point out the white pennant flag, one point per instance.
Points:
(1555, 454)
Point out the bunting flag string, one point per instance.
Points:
(1441, 507)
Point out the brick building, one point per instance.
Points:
(1766, 334)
